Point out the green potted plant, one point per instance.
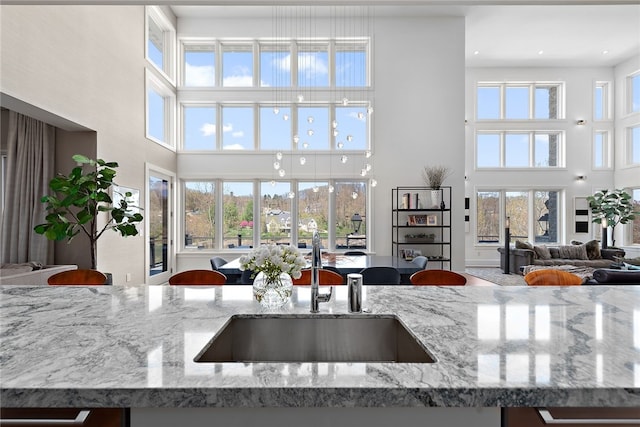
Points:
(615, 207)
(78, 200)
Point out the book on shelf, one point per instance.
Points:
(416, 201)
(406, 199)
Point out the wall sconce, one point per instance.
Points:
(581, 177)
(581, 122)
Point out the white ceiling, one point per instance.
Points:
(512, 35)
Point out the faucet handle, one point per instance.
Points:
(325, 297)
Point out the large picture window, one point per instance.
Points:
(199, 214)
(522, 149)
(519, 101)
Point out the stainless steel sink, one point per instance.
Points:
(319, 338)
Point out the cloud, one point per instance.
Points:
(283, 63)
(238, 81)
(237, 134)
(208, 129)
(309, 62)
(199, 75)
(227, 128)
(233, 147)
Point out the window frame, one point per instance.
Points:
(607, 152)
(168, 70)
(532, 86)
(629, 228)
(630, 142)
(161, 87)
(607, 101)
(629, 93)
(503, 133)
(202, 43)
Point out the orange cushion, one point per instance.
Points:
(552, 278)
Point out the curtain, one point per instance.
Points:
(30, 167)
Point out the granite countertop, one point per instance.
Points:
(133, 346)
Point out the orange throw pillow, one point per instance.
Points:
(552, 278)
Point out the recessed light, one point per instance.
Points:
(604, 52)
(540, 52)
(477, 52)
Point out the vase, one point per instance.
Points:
(436, 198)
(272, 292)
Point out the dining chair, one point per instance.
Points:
(551, 277)
(245, 278)
(327, 277)
(380, 276)
(217, 262)
(77, 277)
(437, 277)
(198, 277)
(421, 261)
(354, 253)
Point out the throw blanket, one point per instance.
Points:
(585, 273)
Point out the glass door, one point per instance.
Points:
(159, 214)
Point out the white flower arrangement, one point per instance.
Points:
(272, 260)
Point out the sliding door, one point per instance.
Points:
(159, 217)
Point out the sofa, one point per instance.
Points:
(30, 273)
(610, 276)
(583, 255)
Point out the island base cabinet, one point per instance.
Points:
(571, 417)
(80, 417)
(315, 417)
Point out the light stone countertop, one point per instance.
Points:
(133, 346)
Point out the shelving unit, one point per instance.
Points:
(420, 223)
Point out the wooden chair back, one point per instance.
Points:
(77, 277)
(437, 277)
(327, 277)
(551, 277)
(198, 278)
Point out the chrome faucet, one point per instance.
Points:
(316, 264)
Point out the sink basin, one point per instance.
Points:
(309, 338)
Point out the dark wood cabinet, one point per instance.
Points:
(85, 417)
(571, 417)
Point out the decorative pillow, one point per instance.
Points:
(551, 277)
(593, 249)
(573, 252)
(631, 266)
(523, 245)
(542, 252)
(555, 252)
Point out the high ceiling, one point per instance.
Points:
(540, 35)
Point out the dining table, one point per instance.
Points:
(345, 264)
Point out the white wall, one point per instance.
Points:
(86, 64)
(580, 83)
(418, 119)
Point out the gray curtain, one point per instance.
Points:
(30, 167)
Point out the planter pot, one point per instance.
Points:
(436, 198)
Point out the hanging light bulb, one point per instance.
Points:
(303, 160)
(310, 132)
(344, 159)
(291, 194)
(367, 166)
(345, 101)
(285, 117)
(282, 172)
(305, 144)
(296, 138)
(334, 124)
(363, 172)
(316, 188)
(340, 144)
(335, 132)
(354, 195)
(300, 97)
(367, 154)
(279, 155)
(370, 110)
(331, 188)
(310, 119)
(349, 138)
(273, 182)
(360, 115)
(276, 110)
(276, 165)
(374, 182)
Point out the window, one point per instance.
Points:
(275, 131)
(350, 199)
(526, 149)
(199, 127)
(351, 128)
(533, 215)
(237, 220)
(275, 65)
(199, 65)
(237, 128)
(601, 101)
(519, 101)
(313, 65)
(635, 227)
(351, 65)
(160, 111)
(237, 65)
(601, 151)
(633, 93)
(160, 41)
(275, 212)
(199, 214)
(313, 212)
(633, 137)
(313, 128)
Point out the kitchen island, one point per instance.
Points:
(133, 347)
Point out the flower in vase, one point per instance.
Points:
(272, 260)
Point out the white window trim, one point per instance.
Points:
(531, 133)
(607, 150)
(628, 94)
(607, 101)
(629, 144)
(201, 42)
(156, 14)
(532, 86)
(155, 83)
